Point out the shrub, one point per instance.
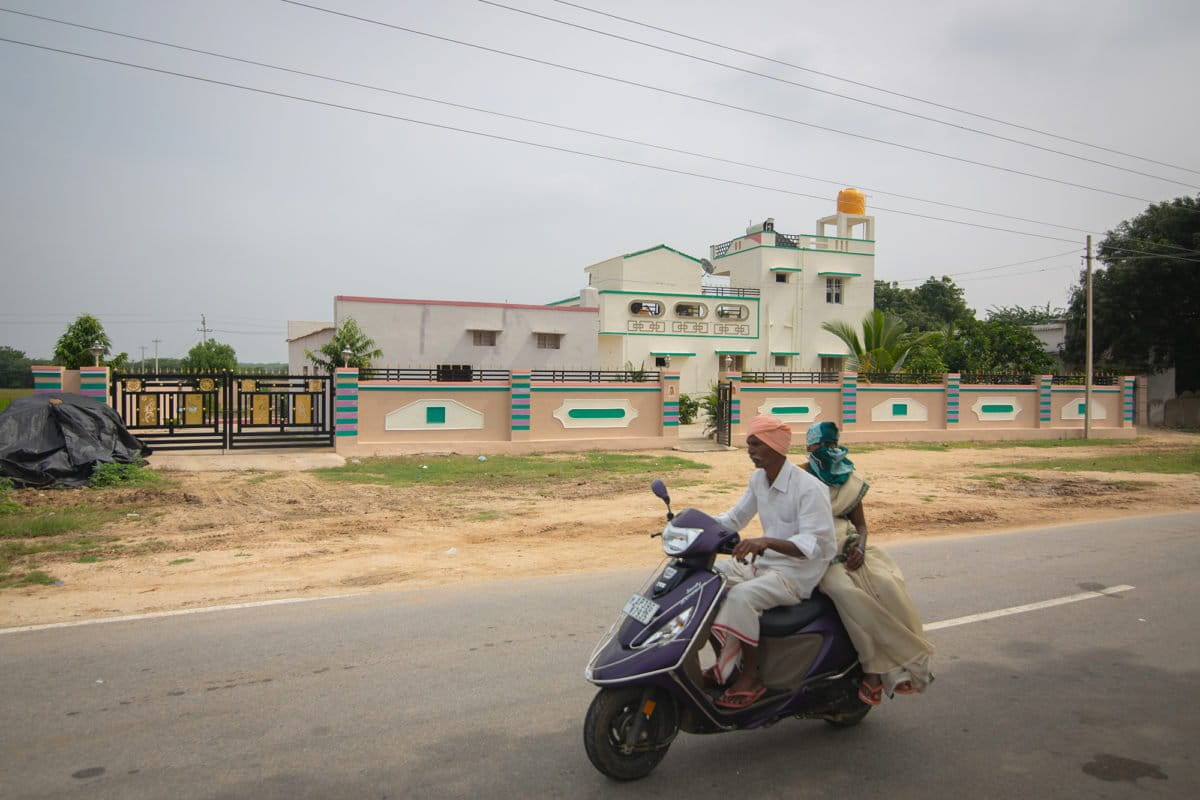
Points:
(105, 475)
(688, 408)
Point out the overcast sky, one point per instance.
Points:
(149, 199)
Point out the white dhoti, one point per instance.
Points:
(752, 591)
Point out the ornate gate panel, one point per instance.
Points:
(281, 411)
(172, 411)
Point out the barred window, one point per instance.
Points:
(729, 311)
(833, 290)
(692, 310)
(483, 338)
(646, 308)
(549, 341)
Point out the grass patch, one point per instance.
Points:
(34, 578)
(23, 523)
(486, 516)
(8, 395)
(106, 475)
(501, 471)
(180, 561)
(1168, 462)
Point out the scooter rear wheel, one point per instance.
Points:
(609, 722)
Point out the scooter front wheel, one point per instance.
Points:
(627, 731)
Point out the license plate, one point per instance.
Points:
(643, 609)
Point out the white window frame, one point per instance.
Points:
(834, 291)
(483, 338)
(549, 341)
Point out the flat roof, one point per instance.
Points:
(461, 303)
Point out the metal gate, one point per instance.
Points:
(724, 412)
(180, 411)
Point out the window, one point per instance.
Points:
(833, 290)
(782, 361)
(831, 364)
(728, 311)
(549, 341)
(662, 361)
(646, 308)
(781, 277)
(691, 310)
(483, 338)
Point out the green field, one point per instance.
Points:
(8, 395)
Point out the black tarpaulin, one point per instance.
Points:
(57, 439)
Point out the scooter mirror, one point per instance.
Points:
(660, 489)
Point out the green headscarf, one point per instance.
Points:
(828, 463)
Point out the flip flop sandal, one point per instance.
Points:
(732, 699)
(905, 687)
(871, 695)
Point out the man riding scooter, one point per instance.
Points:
(780, 568)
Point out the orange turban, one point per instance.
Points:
(771, 432)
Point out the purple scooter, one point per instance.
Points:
(648, 664)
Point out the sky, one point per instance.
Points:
(154, 201)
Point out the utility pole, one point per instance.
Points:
(1087, 362)
(143, 356)
(156, 342)
(203, 329)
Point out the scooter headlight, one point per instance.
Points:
(669, 631)
(676, 540)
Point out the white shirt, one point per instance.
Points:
(796, 507)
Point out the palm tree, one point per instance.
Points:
(884, 345)
(348, 337)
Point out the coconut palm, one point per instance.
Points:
(883, 346)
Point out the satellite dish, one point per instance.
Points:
(707, 266)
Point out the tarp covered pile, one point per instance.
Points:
(57, 439)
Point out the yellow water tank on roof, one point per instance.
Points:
(852, 201)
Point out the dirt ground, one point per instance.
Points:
(248, 536)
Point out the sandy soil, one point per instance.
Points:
(265, 535)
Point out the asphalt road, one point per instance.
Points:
(442, 693)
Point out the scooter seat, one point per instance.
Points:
(784, 620)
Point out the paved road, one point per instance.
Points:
(433, 694)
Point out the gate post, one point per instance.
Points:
(47, 379)
(1045, 417)
(93, 382)
(849, 398)
(519, 393)
(953, 384)
(669, 392)
(345, 408)
(734, 379)
(1128, 417)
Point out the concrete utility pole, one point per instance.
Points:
(203, 329)
(156, 343)
(1087, 361)
(143, 356)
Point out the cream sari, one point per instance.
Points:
(874, 604)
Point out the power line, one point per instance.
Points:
(839, 95)
(989, 269)
(873, 87)
(509, 139)
(1148, 254)
(534, 121)
(710, 101)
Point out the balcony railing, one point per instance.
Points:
(594, 376)
(728, 291)
(444, 374)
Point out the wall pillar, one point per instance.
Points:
(735, 402)
(1045, 417)
(345, 408)
(93, 382)
(1127, 397)
(669, 392)
(849, 398)
(520, 392)
(47, 379)
(953, 390)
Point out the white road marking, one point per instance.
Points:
(1005, 612)
(177, 613)
(933, 626)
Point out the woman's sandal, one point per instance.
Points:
(905, 687)
(732, 699)
(871, 695)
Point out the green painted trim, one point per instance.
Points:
(435, 415)
(564, 300)
(899, 409)
(1004, 390)
(840, 274)
(1080, 390)
(596, 413)
(896, 389)
(346, 433)
(433, 388)
(801, 250)
(591, 389)
(785, 269)
(833, 355)
(789, 409)
(662, 247)
(736, 352)
(996, 409)
(785, 352)
(709, 297)
(666, 353)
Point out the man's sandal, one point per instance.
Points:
(905, 687)
(871, 695)
(732, 699)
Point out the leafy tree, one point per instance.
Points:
(14, 369)
(1146, 298)
(1020, 315)
(993, 346)
(347, 337)
(930, 306)
(884, 345)
(210, 356)
(73, 348)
